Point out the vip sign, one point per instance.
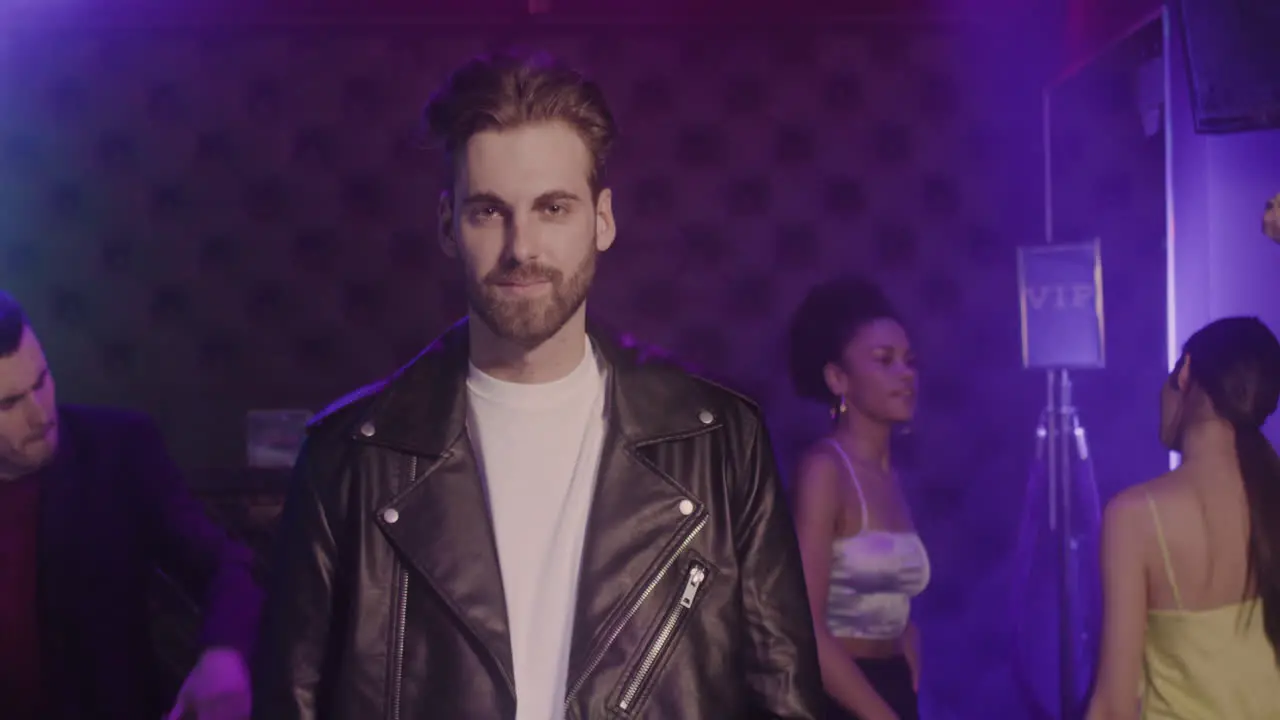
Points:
(1061, 296)
(1060, 299)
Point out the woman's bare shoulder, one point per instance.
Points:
(1130, 512)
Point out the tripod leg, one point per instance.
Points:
(1066, 600)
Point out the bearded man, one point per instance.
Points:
(533, 520)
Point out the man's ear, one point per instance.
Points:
(606, 225)
(444, 225)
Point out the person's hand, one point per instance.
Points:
(1271, 220)
(216, 689)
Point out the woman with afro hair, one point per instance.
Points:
(863, 560)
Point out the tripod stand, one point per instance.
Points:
(1063, 450)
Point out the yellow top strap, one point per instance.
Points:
(1164, 550)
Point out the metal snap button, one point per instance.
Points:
(686, 507)
(390, 516)
(367, 429)
(705, 417)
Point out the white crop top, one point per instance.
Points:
(874, 575)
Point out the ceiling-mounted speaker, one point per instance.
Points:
(1233, 61)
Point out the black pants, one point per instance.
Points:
(891, 677)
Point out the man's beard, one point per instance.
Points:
(16, 463)
(529, 322)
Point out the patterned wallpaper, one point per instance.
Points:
(203, 222)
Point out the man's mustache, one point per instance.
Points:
(523, 275)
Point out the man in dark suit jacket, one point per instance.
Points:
(90, 505)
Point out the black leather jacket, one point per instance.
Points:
(386, 601)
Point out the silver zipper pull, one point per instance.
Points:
(696, 576)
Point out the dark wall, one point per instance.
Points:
(205, 222)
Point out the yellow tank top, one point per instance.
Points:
(1207, 664)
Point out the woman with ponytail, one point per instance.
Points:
(1191, 559)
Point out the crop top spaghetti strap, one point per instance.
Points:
(1206, 664)
(874, 576)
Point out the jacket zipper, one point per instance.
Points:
(693, 583)
(402, 616)
(616, 630)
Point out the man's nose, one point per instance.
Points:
(522, 239)
(38, 416)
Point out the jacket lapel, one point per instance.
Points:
(439, 521)
(442, 528)
(59, 555)
(642, 515)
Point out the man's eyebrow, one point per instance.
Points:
(490, 198)
(18, 396)
(557, 196)
(484, 198)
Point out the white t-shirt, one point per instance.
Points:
(538, 448)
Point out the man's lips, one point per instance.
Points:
(523, 288)
(42, 435)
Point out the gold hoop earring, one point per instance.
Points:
(839, 410)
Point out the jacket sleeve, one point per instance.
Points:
(192, 549)
(289, 666)
(782, 656)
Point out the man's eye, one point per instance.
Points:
(555, 210)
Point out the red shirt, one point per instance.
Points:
(20, 649)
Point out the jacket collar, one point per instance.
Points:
(422, 408)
